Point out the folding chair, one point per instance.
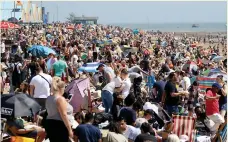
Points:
(184, 125)
(221, 135)
(4, 137)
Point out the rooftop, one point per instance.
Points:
(86, 18)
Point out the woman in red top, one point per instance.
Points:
(212, 105)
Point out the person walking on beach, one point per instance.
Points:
(57, 117)
(40, 85)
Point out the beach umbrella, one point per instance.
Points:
(39, 50)
(214, 71)
(81, 98)
(89, 67)
(13, 20)
(18, 105)
(135, 31)
(189, 66)
(217, 74)
(217, 58)
(8, 25)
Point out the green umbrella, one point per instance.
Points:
(84, 56)
(206, 72)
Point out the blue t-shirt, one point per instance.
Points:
(128, 114)
(87, 133)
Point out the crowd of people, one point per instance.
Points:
(138, 72)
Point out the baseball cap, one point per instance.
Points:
(139, 122)
(101, 65)
(217, 85)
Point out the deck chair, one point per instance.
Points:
(221, 135)
(184, 125)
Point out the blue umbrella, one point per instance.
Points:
(39, 50)
(214, 71)
(135, 31)
(89, 67)
(218, 58)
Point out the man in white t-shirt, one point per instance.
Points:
(40, 86)
(107, 93)
(126, 86)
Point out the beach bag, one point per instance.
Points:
(102, 117)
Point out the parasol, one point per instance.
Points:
(8, 25)
(217, 74)
(39, 50)
(214, 71)
(189, 66)
(218, 58)
(18, 105)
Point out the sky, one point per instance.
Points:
(134, 12)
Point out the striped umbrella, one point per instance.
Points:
(214, 71)
(205, 82)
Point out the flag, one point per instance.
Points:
(19, 3)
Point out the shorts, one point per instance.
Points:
(172, 110)
(224, 107)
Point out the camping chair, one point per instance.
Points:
(3, 131)
(9, 138)
(221, 135)
(184, 125)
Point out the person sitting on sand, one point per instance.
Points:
(24, 88)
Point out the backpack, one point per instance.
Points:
(16, 76)
(102, 117)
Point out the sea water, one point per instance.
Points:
(177, 27)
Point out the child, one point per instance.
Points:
(23, 88)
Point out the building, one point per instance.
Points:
(85, 20)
